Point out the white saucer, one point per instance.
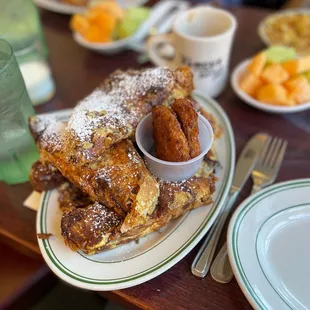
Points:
(269, 246)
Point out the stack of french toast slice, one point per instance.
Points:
(107, 194)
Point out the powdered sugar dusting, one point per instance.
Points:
(101, 218)
(173, 186)
(113, 107)
(49, 130)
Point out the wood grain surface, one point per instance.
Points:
(77, 72)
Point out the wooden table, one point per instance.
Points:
(77, 72)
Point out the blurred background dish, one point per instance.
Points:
(276, 79)
(289, 28)
(108, 28)
(74, 7)
(107, 22)
(236, 77)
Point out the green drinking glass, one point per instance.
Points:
(17, 148)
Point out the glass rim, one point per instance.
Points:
(11, 55)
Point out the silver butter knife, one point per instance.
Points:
(244, 167)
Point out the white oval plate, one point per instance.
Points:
(235, 78)
(269, 246)
(64, 8)
(135, 263)
(261, 27)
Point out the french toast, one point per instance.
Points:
(45, 176)
(107, 195)
(112, 112)
(95, 228)
(118, 178)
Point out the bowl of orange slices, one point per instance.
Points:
(274, 80)
(106, 27)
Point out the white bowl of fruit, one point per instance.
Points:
(275, 80)
(106, 27)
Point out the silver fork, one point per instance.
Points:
(264, 174)
(268, 165)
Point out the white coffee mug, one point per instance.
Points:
(202, 39)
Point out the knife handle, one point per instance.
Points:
(203, 259)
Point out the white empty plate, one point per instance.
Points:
(235, 81)
(269, 246)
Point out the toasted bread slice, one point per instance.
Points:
(96, 228)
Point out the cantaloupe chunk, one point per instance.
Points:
(79, 24)
(274, 74)
(300, 94)
(298, 88)
(274, 94)
(297, 65)
(257, 64)
(249, 83)
(296, 82)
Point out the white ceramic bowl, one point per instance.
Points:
(172, 171)
(235, 80)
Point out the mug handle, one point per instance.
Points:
(152, 49)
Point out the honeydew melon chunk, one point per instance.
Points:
(131, 21)
(277, 54)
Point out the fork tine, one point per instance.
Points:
(270, 152)
(275, 153)
(265, 147)
(280, 156)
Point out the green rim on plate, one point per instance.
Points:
(184, 249)
(233, 234)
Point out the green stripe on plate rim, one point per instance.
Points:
(227, 177)
(256, 242)
(235, 232)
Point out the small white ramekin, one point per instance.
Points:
(172, 171)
